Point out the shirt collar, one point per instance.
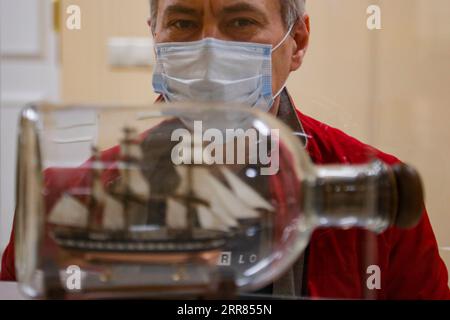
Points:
(288, 115)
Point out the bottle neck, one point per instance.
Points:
(352, 196)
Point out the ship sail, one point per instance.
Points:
(69, 212)
(113, 214)
(98, 192)
(226, 205)
(113, 210)
(132, 151)
(244, 192)
(209, 220)
(209, 187)
(134, 181)
(136, 184)
(176, 215)
(213, 217)
(176, 212)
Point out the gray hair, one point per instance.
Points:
(291, 11)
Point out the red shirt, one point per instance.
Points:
(410, 265)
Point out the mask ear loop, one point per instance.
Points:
(280, 91)
(284, 38)
(275, 48)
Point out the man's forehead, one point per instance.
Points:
(218, 6)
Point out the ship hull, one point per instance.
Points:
(161, 241)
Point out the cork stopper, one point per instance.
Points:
(410, 196)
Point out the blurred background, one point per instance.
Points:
(389, 87)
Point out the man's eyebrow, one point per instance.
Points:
(177, 8)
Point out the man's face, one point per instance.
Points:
(257, 21)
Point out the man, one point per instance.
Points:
(198, 42)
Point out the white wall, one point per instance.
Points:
(29, 72)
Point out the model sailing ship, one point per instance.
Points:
(200, 215)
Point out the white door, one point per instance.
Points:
(29, 72)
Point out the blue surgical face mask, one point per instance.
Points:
(216, 71)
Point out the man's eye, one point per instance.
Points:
(242, 23)
(183, 24)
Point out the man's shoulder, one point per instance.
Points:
(327, 144)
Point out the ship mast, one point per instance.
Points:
(191, 210)
(128, 132)
(93, 224)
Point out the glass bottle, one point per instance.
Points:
(187, 200)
